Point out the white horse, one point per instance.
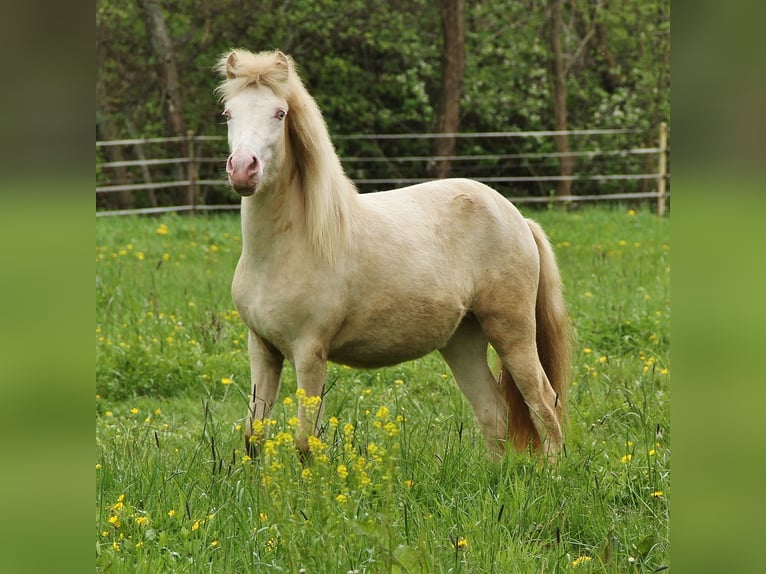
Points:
(376, 279)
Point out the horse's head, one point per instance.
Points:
(254, 95)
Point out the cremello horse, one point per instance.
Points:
(375, 279)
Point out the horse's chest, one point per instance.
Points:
(278, 307)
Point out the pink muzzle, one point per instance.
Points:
(243, 170)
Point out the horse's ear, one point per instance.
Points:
(283, 59)
(284, 64)
(231, 66)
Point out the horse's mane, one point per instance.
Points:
(310, 158)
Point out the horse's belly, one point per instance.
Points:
(388, 335)
(371, 354)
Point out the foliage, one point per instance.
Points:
(374, 68)
(398, 480)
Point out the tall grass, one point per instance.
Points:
(398, 480)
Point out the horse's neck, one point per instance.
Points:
(270, 218)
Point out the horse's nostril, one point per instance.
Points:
(253, 167)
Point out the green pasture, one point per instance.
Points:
(398, 481)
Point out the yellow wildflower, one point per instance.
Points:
(162, 229)
(626, 458)
(341, 498)
(226, 381)
(342, 471)
(657, 494)
(270, 448)
(461, 543)
(581, 560)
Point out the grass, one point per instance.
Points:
(398, 480)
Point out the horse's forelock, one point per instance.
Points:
(242, 68)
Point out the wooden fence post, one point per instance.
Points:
(191, 197)
(662, 170)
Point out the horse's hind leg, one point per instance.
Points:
(466, 355)
(514, 341)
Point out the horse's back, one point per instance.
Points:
(453, 218)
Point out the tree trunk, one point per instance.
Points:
(106, 130)
(452, 13)
(558, 70)
(163, 49)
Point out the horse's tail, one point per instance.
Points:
(553, 347)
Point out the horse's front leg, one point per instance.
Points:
(265, 370)
(311, 372)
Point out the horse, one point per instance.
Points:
(376, 279)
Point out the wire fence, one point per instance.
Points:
(186, 174)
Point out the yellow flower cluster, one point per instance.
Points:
(347, 459)
(311, 404)
(580, 560)
(382, 422)
(318, 449)
(259, 429)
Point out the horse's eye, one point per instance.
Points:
(280, 115)
(227, 115)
